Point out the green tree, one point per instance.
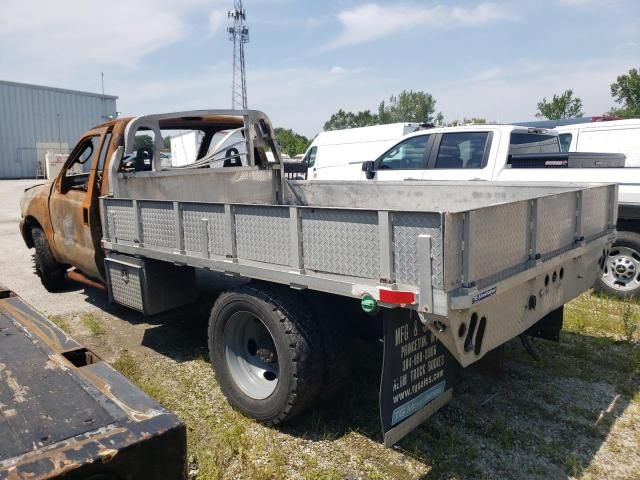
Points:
(342, 119)
(291, 142)
(560, 106)
(626, 91)
(409, 106)
(143, 141)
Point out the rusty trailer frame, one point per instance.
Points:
(66, 414)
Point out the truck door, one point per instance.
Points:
(73, 204)
(460, 156)
(405, 160)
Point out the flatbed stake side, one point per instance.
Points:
(448, 264)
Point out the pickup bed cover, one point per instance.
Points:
(65, 414)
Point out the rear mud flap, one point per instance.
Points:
(417, 375)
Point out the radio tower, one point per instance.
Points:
(239, 35)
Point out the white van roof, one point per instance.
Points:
(607, 125)
(391, 131)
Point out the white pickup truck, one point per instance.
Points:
(515, 154)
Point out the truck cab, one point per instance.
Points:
(61, 218)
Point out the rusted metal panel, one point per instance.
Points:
(65, 414)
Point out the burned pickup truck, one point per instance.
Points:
(452, 269)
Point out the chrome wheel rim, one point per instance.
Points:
(251, 355)
(622, 269)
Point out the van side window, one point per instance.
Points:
(407, 155)
(310, 157)
(462, 150)
(565, 141)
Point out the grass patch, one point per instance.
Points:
(61, 323)
(127, 365)
(629, 323)
(545, 418)
(92, 324)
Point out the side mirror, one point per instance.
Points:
(369, 168)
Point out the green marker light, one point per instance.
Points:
(369, 304)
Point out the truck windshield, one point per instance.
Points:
(533, 143)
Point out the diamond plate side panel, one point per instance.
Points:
(499, 239)
(594, 211)
(262, 234)
(158, 224)
(126, 285)
(341, 241)
(120, 220)
(192, 216)
(556, 223)
(406, 229)
(452, 251)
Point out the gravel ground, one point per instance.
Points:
(573, 414)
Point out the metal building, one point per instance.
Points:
(36, 119)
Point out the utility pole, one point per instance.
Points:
(239, 35)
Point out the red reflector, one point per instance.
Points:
(397, 296)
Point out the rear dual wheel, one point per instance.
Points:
(266, 351)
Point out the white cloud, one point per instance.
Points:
(282, 93)
(576, 2)
(512, 94)
(339, 70)
(56, 35)
(372, 21)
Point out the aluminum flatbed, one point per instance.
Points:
(484, 251)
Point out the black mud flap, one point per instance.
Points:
(417, 375)
(549, 326)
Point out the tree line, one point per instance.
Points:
(420, 107)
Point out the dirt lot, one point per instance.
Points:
(575, 413)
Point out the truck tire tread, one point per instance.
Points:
(51, 273)
(301, 337)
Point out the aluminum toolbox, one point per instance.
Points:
(148, 285)
(567, 160)
(65, 414)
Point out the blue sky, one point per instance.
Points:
(493, 59)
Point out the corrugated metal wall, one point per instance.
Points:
(32, 115)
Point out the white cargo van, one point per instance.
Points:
(617, 136)
(338, 154)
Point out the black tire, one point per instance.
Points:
(51, 273)
(333, 316)
(297, 343)
(629, 242)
